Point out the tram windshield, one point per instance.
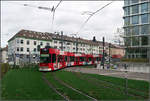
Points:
(45, 58)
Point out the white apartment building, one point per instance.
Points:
(23, 46)
(4, 52)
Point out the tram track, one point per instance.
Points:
(54, 88)
(103, 83)
(76, 90)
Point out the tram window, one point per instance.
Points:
(81, 59)
(76, 59)
(65, 58)
(60, 58)
(90, 59)
(97, 58)
(71, 58)
(53, 58)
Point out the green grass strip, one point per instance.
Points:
(26, 84)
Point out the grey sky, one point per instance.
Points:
(68, 18)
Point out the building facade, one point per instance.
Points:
(137, 28)
(4, 52)
(23, 47)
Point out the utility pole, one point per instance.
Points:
(126, 80)
(109, 54)
(0, 55)
(76, 44)
(29, 57)
(103, 60)
(62, 40)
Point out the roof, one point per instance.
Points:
(50, 36)
(32, 34)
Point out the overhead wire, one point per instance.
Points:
(92, 15)
(53, 10)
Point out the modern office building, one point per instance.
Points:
(137, 28)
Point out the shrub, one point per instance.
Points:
(4, 68)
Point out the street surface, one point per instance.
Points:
(114, 73)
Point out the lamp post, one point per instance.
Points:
(103, 59)
(109, 54)
(62, 40)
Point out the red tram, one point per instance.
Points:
(52, 59)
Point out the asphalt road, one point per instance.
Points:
(114, 73)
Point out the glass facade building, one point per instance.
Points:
(137, 28)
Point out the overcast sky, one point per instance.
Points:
(68, 18)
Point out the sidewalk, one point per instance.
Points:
(114, 73)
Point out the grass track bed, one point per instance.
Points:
(121, 89)
(90, 89)
(135, 84)
(72, 95)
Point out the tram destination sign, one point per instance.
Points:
(44, 55)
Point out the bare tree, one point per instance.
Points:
(118, 36)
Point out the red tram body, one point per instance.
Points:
(52, 59)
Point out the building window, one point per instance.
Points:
(127, 41)
(135, 19)
(34, 42)
(143, 0)
(127, 31)
(28, 49)
(144, 40)
(21, 49)
(55, 46)
(135, 41)
(144, 7)
(47, 44)
(34, 49)
(135, 30)
(17, 49)
(28, 42)
(21, 41)
(68, 43)
(144, 18)
(41, 43)
(126, 2)
(134, 1)
(135, 9)
(127, 10)
(145, 29)
(55, 41)
(127, 21)
(17, 40)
